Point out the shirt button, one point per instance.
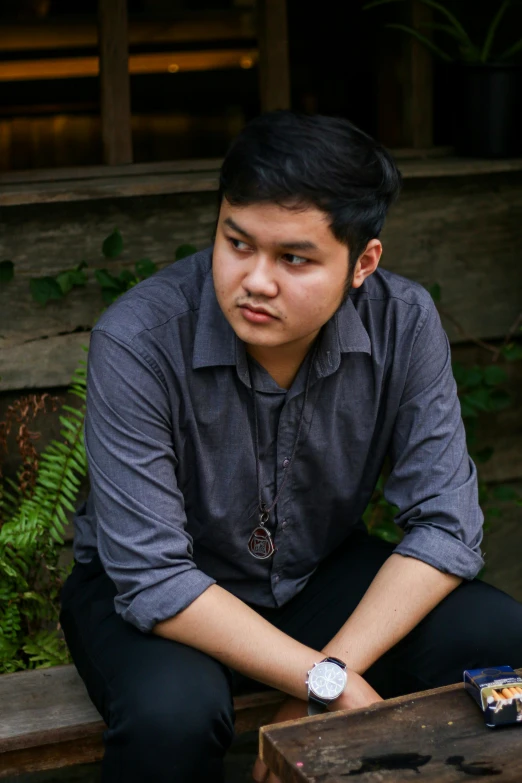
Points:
(284, 523)
(276, 578)
(286, 463)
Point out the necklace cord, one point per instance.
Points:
(264, 510)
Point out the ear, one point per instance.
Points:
(367, 262)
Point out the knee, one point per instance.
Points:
(175, 719)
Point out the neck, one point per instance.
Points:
(283, 361)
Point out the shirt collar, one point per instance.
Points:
(216, 343)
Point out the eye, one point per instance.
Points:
(295, 260)
(237, 244)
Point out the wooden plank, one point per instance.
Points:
(97, 172)
(190, 177)
(418, 96)
(114, 81)
(274, 68)
(190, 26)
(48, 721)
(439, 733)
(441, 231)
(110, 187)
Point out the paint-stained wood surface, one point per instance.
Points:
(47, 720)
(436, 735)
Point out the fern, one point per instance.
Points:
(30, 545)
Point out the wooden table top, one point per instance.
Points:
(437, 735)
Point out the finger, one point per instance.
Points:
(259, 771)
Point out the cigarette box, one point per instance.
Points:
(498, 692)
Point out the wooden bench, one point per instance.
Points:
(47, 720)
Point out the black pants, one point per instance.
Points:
(169, 707)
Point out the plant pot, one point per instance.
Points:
(487, 110)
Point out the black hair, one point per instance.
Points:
(296, 161)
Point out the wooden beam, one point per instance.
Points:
(274, 69)
(418, 94)
(114, 81)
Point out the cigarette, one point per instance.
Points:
(497, 695)
(507, 693)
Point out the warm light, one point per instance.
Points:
(69, 67)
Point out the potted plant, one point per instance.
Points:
(486, 81)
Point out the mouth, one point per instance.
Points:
(257, 315)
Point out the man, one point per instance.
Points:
(241, 404)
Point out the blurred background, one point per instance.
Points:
(199, 69)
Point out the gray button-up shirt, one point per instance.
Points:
(169, 437)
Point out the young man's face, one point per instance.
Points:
(279, 274)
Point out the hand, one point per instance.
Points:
(291, 709)
(357, 694)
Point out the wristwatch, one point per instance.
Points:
(326, 681)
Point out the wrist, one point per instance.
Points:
(326, 682)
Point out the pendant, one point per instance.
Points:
(260, 543)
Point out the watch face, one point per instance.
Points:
(327, 680)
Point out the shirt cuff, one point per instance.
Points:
(441, 550)
(164, 599)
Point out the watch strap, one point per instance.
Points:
(334, 660)
(316, 706)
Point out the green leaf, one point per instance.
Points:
(146, 268)
(65, 282)
(493, 375)
(185, 250)
(508, 54)
(6, 271)
(423, 40)
(375, 3)
(435, 292)
(109, 296)
(44, 289)
(499, 400)
(492, 30)
(113, 245)
(471, 377)
(479, 398)
(512, 351)
(387, 531)
(106, 280)
(127, 278)
(505, 492)
(466, 409)
(451, 17)
(78, 277)
(459, 373)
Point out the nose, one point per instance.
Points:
(260, 279)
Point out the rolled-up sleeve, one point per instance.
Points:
(433, 481)
(142, 538)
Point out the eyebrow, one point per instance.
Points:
(298, 244)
